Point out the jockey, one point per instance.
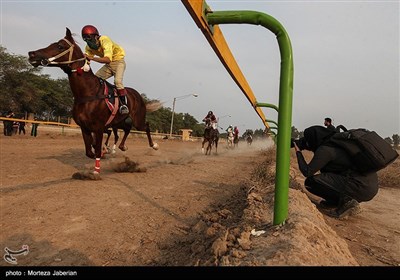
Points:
(102, 49)
(229, 129)
(236, 132)
(211, 118)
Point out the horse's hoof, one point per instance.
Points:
(155, 146)
(91, 155)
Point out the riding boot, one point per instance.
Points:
(122, 96)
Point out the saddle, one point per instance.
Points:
(110, 92)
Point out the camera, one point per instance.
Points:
(292, 142)
(301, 143)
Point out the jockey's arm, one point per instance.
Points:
(99, 59)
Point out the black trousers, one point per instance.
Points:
(335, 187)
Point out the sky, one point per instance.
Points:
(345, 53)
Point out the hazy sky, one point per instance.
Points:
(346, 55)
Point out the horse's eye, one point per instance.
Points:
(60, 47)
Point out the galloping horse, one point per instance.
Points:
(93, 109)
(249, 139)
(248, 135)
(211, 135)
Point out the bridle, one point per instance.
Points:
(70, 50)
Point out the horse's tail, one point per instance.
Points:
(153, 106)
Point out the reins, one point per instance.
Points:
(46, 62)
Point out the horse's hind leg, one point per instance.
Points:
(108, 132)
(141, 125)
(122, 146)
(151, 144)
(105, 146)
(116, 137)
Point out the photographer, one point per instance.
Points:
(338, 184)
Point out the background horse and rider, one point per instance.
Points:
(95, 105)
(229, 137)
(248, 135)
(211, 137)
(235, 137)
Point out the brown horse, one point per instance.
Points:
(90, 110)
(211, 137)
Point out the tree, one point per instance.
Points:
(259, 133)
(24, 89)
(295, 133)
(396, 140)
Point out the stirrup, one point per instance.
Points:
(124, 110)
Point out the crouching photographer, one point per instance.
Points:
(337, 183)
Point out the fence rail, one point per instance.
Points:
(64, 128)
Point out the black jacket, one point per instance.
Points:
(331, 159)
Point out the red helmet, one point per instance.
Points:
(89, 30)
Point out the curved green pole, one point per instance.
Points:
(285, 98)
(271, 121)
(269, 105)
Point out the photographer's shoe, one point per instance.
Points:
(349, 208)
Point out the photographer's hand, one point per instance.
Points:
(296, 148)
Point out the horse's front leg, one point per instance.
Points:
(202, 145)
(88, 140)
(209, 147)
(97, 150)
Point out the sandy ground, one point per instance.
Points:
(186, 209)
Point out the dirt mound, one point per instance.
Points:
(240, 232)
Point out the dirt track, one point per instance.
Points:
(132, 219)
(107, 222)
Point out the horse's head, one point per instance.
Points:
(62, 53)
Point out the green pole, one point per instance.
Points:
(271, 121)
(269, 105)
(285, 98)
